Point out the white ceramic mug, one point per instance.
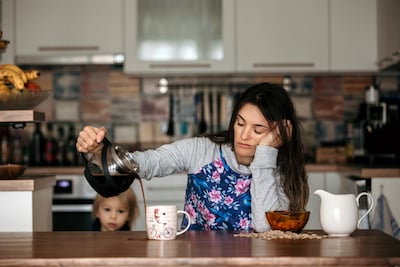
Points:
(162, 222)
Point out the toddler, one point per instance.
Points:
(116, 213)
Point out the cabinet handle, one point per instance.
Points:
(284, 65)
(68, 48)
(179, 65)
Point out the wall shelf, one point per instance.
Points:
(16, 116)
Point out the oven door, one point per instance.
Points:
(72, 204)
(72, 214)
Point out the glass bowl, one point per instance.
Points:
(293, 221)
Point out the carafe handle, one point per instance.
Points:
(105, 141)
(371, 200)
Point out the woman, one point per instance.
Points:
(236, 176)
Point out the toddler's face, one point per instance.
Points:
(112, 213)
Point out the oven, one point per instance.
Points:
(72, 203)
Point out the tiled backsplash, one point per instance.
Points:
(136, 113)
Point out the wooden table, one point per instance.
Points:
(363, 248)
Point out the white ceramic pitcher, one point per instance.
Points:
(339, 212)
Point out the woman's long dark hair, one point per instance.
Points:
(276, 106)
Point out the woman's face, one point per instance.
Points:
(112, 213)
(249, 128)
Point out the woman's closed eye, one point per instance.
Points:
(240, 122)
(257, 128)
(260, 129)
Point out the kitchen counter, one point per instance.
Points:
(195, 248)
(27, 183)
(379, 172)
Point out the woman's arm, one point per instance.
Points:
(183, 155)
(266, 190)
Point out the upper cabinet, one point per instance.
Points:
(388, 33)
(179, 36)
(46, 28)
(173, 37)
(306, 35)
(7, 26)
(282, 35)
(353, 40)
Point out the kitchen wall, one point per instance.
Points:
(137, 113)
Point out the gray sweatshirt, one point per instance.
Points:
(189, 155)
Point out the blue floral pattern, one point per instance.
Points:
(217, 198)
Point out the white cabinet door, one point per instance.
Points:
(282, 35)
(388, 33)
(353, 28)
(6, 25)
(316, 180)
(48, 27)
(179, 37)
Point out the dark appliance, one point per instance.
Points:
(72, 203)
(380, 129)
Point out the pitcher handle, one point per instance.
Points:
(371, 199)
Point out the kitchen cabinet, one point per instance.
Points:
(353, 35)
(89, 30)
(282, 35)
(25, 204)
(179, 36)
(388, 33)
(6, 25)
(306, 35)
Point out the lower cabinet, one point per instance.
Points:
(26, 205)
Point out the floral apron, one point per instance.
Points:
(218, 198)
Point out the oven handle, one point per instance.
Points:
(72, 208)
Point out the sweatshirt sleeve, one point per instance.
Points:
(266, 190)
(183, 155)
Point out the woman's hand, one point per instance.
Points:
(90, 139)
(274, 138)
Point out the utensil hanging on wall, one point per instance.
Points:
(211, 110)
(171, 124)
(218, 126)
(202, 124)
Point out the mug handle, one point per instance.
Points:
(371, 199)
(188, 220)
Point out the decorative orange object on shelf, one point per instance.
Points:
(11, 171)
